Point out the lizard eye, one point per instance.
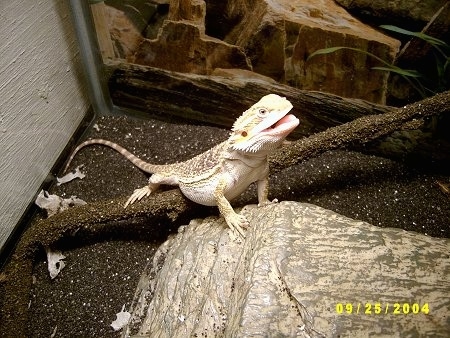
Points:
(244, 133)
(262, 112)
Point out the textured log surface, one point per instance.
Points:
(221, 99)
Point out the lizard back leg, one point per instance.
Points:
(153, 184)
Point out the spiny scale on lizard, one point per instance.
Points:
(223, 172)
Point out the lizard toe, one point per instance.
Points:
(137, 195)
(237, 224)
(267, 202)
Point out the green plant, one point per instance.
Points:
(412, 76)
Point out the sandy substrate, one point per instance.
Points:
(101, 276)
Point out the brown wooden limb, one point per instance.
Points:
(359, 131)
(416, 49)
(90, 222)
(220, 100)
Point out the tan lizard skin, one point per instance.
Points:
(222, 173)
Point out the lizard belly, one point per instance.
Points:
(237, 178)
(201, 193)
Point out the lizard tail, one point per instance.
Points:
(145, 166)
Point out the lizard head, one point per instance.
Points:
(264, 126)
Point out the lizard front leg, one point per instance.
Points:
(234, 221)
(263, 192)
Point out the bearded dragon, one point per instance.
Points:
(222, 173)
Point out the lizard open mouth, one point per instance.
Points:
(287, 122)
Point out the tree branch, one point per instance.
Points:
(359, 131)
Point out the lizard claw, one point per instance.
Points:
(237, 223)
(267, 202)
(138, 194)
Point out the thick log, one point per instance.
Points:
(359, 131)
(221, 99)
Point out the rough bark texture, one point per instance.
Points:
(221, 99)
(92, 221)
(297, 264)
(359, 131)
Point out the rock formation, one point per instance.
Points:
(182, 46)
(303, 271)
(272, 38)
(278, 37)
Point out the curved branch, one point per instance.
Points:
(359, 131)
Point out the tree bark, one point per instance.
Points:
(221, 100)
(359, 131)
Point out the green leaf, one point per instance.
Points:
(403, 72)
(431, 40)
(324, 51)
(334, 49)
(413, 77)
